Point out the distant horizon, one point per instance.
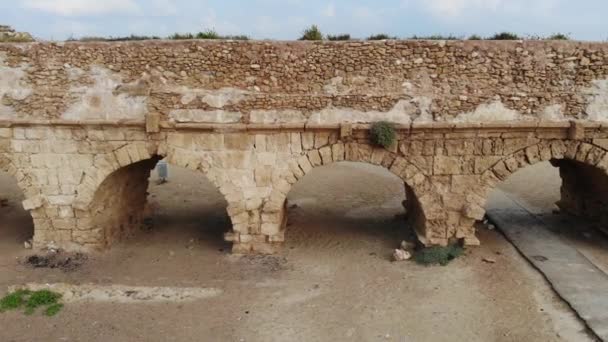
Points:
(58, 20)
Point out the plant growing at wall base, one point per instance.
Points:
(31, 300)
(383, 134)
(438, 255)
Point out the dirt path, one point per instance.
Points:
(332, 282)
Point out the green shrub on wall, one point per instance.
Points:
(383, 134)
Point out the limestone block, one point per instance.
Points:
(6, 133)
(263, 175)
(583, 152)
(67, 224)
(266, 158)
(576, 131)
(239, 141)
(153, 122)
(275, 217)
(484, 163)
(209, 142)
(346, 130)
(378, 156)
(260, 142)
(294, 167)
(512, 164)
(296, 143)
(280, 237)
(532, 154)
(603, 163)
(326, 155)
(279, 142)
(321, 139)
(594, 156)
(271, 228)
(315, 158)
(243, 217)
(282, 186)
(37, 133)
(62, 200)
(235, 159)
(33, 202)
(545, 152)
(571, 150)
(558, 149)
(308, 140)
(337, 152)
(122, 156)
(443, 165)
(473, 211)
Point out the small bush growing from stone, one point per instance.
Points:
(380, 36)
(504, 36)
(345, 36)
(438, 255)
(312, 33)
(383, 134)
(181, 36)
(32, 300)
(208, 34)
(436, 37)
(558, 36)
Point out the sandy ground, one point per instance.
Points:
(332, 282)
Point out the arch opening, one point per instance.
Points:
(567, 196)
(133, 204)
(349, 204)
(17, 225)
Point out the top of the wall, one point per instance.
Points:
(312, 82)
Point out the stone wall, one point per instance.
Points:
(305, 82)
(82, 124)
(8, 34)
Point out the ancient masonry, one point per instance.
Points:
(7, 33)
(82, 124)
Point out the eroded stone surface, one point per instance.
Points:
(256, 117)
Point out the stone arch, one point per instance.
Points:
(418, 186)
(120, 180)
(571, 156)
(578, 151)
(34, 201)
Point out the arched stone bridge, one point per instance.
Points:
(82, 125)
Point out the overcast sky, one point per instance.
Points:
(285, 19)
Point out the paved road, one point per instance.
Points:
(573, 276)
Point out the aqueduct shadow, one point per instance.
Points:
(346, 201)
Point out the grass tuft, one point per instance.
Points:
(32, 300)
(438, 255)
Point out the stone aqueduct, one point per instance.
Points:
(82, 125)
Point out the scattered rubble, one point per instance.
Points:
(401, 255)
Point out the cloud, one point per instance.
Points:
(82, 7)
(330, 11)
